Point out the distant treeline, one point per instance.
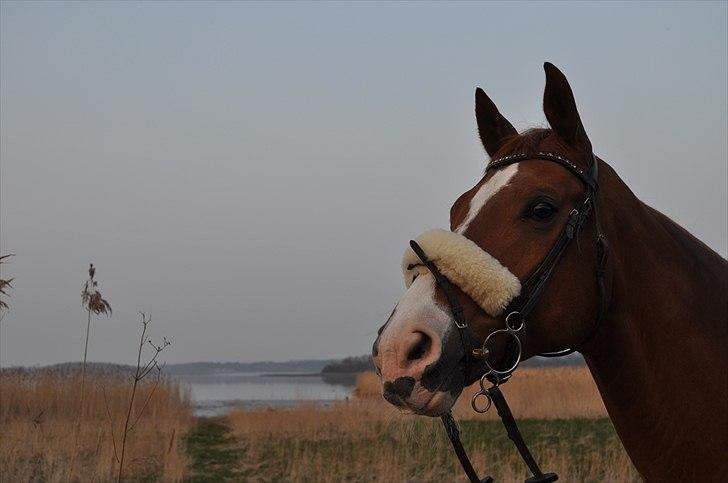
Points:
(189, 368)
(350, 365)
(68, 369)
(307, 366)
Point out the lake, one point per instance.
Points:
(217, 394)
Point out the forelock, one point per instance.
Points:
(529, 141)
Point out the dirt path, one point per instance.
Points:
(216, 454)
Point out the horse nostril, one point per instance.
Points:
(421, 348)
(375, 347)
(377, 368)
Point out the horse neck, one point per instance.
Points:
(659, 359)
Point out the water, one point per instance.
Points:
(218, 394)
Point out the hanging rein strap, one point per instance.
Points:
(453, 433)
(514, 434)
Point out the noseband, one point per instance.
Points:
(518, 311)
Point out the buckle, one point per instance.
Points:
(457, 315)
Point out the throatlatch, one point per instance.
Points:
(521, 300)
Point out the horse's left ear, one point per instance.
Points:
(493, 128)
(560, 109)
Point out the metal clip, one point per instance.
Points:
(481, 353)
(457, 318)
(488, 403)
(484, 393)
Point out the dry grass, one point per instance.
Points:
(38, 417)
(364, 439)
(537, 393)
(368, 440)
(543, 393)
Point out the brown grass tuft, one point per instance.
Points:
(543, 393)
(368, 386)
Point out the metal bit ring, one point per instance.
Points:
(506, 372)
(474, 402)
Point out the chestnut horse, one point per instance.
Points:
(659, 354)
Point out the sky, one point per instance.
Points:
(249, 174)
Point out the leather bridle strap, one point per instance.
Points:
(589, 178)
(537, 281)
(514, 434)
(444, 283)
(452, 299)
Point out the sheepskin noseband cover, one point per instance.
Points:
(491, 285)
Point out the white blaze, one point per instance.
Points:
(500, 179)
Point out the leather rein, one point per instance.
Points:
(517, 312)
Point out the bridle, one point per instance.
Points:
(518, 311)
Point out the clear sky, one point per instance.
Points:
(250, 174)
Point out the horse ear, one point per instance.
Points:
(492, 126)
(560, 109)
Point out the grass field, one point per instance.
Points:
(363, 439)
(368, 440)
(417, 450)
(536, 393)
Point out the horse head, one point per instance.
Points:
(502, 231)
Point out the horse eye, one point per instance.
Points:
(542, 211)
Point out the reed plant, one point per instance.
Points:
(143, 369)
(94, 303)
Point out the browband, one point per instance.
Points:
(589, 178)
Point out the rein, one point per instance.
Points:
(517, 313)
